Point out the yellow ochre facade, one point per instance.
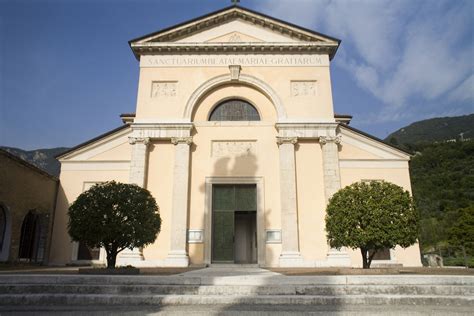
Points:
(236, 137)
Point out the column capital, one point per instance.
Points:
(323, 140)
(287, 140)
(142, 140)
(181, 140)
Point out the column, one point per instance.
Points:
(178, 257)
(290, 255)
(138, 167)
(139, 160)
(332, 184)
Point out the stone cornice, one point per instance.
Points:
(154, 48)
(228, 14)
(161, 130)
(311, 130)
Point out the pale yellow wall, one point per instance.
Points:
(352, 152)
(71, 185)
(311, 200)
(400, 177)
(409, 256)
(121, 151)
(160, 184)
(171, 108)
(265, 162)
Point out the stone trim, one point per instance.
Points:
(261, 234)
(182, 140)
(287, 140)
(323, 140)
(161, 130)
(95, 165)
(221, 80)
(234, 72)
(139, 140)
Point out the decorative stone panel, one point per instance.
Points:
(229, 148)
(164, 89)
(303, 88)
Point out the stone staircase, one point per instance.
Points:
(258, 289)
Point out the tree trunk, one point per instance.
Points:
(111, 258)
(365, 258)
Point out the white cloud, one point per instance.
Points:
(396, 50)
(464, 92)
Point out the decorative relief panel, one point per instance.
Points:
(164, 89)
(303, 88)
(235, 38)
(230, 148)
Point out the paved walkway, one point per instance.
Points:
(230, 271)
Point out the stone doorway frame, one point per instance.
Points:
(258, 181)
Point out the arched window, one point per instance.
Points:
(234, 110)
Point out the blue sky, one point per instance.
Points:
(66, 71)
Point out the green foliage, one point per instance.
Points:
(115, 216)
(434, 130)
(461, 233)
(442, 178)
(371, 216)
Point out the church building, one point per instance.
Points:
(235, 136)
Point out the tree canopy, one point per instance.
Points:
(114, 216)
(371, 216)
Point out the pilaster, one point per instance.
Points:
(290, 255)
(177, 255)
(138, 167)
(332, 183)
(138, 163)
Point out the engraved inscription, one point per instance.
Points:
(233, 148)
(303, 88)
(254, 60)
(163, 89)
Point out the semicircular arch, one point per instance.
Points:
(222, 80)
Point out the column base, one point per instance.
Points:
(177, 259)
(291, 260)
(129, 257)
(338, 258)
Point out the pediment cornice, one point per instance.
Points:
(299, 39)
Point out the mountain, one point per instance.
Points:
(442, 177)
(41, 158)
(434, 130)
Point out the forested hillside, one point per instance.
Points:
(442, 176)
(434, 130)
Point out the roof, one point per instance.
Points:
(231, 13)
(92, 140)
(358, 131)
(27, 164)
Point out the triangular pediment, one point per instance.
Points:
(233, 25)
(234, 37)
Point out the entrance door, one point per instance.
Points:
(229, 202)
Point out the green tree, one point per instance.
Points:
(461, 233)
(371, 216)
(114, 216)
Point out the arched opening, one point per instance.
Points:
(33, 238)
(5, 233)
(3, 226)
(234, 110)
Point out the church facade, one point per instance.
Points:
(236, 137)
